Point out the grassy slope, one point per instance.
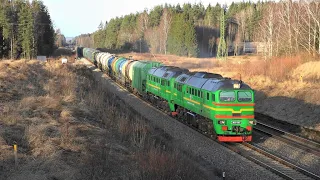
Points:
(287, 88)
(68, 127)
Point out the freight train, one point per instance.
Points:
(219, 106)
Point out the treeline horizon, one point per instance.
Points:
(26, 29)
(281, 28)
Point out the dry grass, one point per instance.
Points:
(309, 71)
(67, 126)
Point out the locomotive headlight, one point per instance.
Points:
(221, 122)
(253, 122)
(236, 85)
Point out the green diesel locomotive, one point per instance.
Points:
(217, 105)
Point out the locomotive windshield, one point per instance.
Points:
(227, 96)
(244, 96)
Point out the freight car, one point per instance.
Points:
(217, 105)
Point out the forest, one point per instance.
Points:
(280, 28)
(26, 29)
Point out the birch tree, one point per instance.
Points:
(165, 25)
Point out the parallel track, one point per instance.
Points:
(278, 165)
(251, 152)
(268, 160)
(294, 140)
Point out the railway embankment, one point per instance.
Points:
(67, 125)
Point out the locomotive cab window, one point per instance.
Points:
(244, 96)
(227, 96)
(213, 97)
(208, 96)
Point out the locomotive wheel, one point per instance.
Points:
(203, 126)
(210, 129)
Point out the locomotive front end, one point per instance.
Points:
(234, 114)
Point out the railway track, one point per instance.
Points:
(274, 163)
(289, 138)
(270, 161)
(254, 153)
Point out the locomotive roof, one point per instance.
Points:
(196, 82)
(223, 84)
(209, 81)
(207, 75)
(167, 72)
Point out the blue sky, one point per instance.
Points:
(75, 17)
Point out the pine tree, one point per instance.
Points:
(25, 29)
(4, 29)
(190, 40)
(126, 33)
(182, 37)
(176, 35)
(155, 16)
(99, 36)
(112, 31)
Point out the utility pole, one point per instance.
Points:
(222, 48)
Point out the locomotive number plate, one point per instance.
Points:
(236, 122)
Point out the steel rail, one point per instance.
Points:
(297, 141)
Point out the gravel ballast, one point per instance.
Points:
(293, 154)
